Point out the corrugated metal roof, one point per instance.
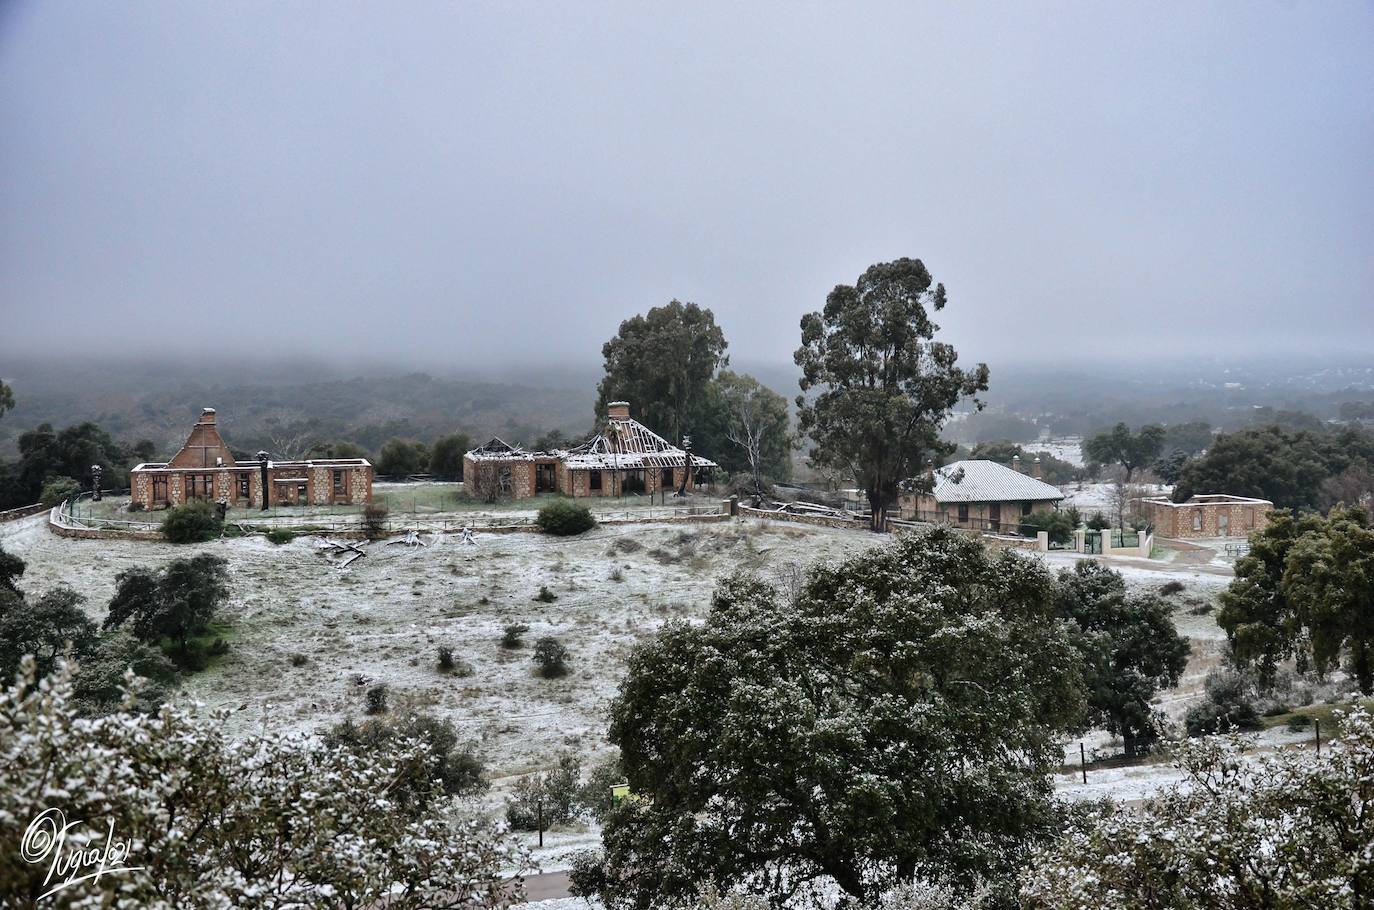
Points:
(988, 481)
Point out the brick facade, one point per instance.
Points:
(1208, 515)
(206, 469)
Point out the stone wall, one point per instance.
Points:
(1205, 519)
(823, 521)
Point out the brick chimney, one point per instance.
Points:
(618, 409)
(1035, 469)
(1016, 463)
(207, 416)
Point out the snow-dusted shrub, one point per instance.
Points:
(1227, 706)
(57, 489)
(456, 766)
(552, 657)
(565, 518)
(269, 821)
(194, 522)
(1282, 830)
(374, 521)
(513, 635)
(376, 699)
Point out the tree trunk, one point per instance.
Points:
(878, 510)
(1364, 668)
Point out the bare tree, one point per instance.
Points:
(288, 436)
(1123, 497)
(489, 480)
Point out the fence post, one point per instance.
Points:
(1083, 761)
(1317, 723)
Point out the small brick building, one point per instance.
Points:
(206, 469)
(981, 495)
(624, 458)
(1209, 515)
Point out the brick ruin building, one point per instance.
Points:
(626, 457)
(206, 469)
(1207, 515)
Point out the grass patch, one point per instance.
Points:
(1326, 714)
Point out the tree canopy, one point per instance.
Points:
(401, 457)
(1130, 450)
(258, 821)
(446, 456)
(1289, 468)
(174, 602)
(880, 386)
(899, 715)
(661, 362)
(1279, 831)
(745, 428)
(1305, 590)
(1130, 650)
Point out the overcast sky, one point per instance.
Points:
(460, 182)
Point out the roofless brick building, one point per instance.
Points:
(206, 469)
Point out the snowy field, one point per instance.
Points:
(383, 619)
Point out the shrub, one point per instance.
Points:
(552, 657)
(1099, 522)
(299, 660)
(1227, 706)
(514, 635)
(617, 575)
(557, 790)
(457, 767)
(445, 658)
(280, 536)
(1299, 722)
(545, 596)
(135, 507)
(1171, 587)
(564, 518)
(56, 489)
(595, 794)
(376, 699)
(374, 521)
(194, 522)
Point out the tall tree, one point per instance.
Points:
(902, 711)
(660, 362)
(6, 398)
(883, 387)
(1130, 649)
(1130, 450)
(745, 428)
(1187, 438)
(44, 628)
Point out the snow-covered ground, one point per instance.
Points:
(383, 619)
(1065, 448)
(1097, 497)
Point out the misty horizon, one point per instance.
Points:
(479, 187)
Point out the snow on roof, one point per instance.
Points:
(988, 481)
(497, 449)
(627, 444)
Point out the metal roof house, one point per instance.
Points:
(624, 458)
(981, 495)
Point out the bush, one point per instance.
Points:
(194, 522)
(1299, 722)
(57, 489)
(552, 658)
(595, 794)
(545, 596)
(280, 536)
(457, 767)
(299, 660)
(376, 699)
(564, 518)
(135, 507)
(514, 635)
(1171, 587)
(1227, 706)
(374, 521)
(617, 575)
(557, 790)
(1099, 522)
(445, 658)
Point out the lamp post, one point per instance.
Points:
(262, 461)
(96, 471)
